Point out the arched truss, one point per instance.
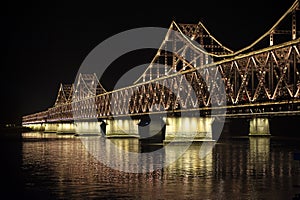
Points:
(71, 98)
(87, 86)
(185, 46)
(290, 15)
(267, 76)
(65, 94)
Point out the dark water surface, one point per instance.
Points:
(48, 166)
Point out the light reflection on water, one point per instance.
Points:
(254, 168)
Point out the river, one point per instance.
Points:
(51, 166)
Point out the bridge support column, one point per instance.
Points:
(87, 128)
(66, 128)
(197, 129)
(51, 127)
(152, 128)
(259, 127)
(121, 128)
(36, 127)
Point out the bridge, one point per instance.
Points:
(192, 81)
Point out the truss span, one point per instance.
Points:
(186, 75)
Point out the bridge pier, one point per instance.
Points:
(87, 128)
(36, 127)
(259, 127)
(197, 129)
(121, 128)
(66, 128)
(152, 129)
(51, 127)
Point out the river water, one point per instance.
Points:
(60, 167)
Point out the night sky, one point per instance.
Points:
(44, 43)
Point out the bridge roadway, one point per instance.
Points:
(186, 88)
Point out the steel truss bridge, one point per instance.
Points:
(193, 71)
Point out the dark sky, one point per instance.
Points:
(44, 43)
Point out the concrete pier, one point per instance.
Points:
(36, 127)
(51, 127)
(87, 128)
(259, 127)
(152, 128)
(66, 128)
(189, 129)
(121, 128)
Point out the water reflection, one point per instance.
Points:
(62, 168)
(194, 174)
(40, 135)
(259, 155)
(122, 154)
(134, 156)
